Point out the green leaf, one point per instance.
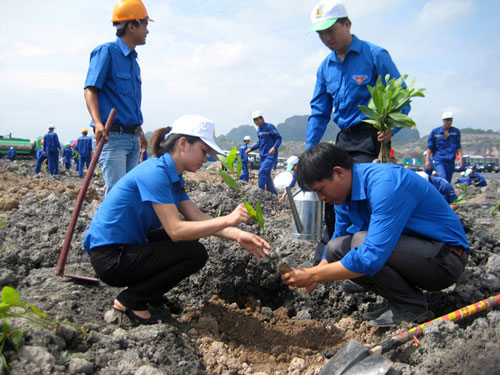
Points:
(17, 338)
(11, 296)
(37, 312)
(231, 158)
(229, 180)
(260, 217)
(402, 120)
(496, 210)
(4, 307)
(251, 211)
(223, 161)
(239, 167)
(7, 328)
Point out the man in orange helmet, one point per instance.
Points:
(114, 80)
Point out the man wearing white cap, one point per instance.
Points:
(444, 146)
(269, 141)
(51, 150)
(245, 174)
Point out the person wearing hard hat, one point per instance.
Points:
(12, 154)
(268, 143)
(144, 236)
(40, 158)
(342, 82)
(474, 178)
(245, 174)
(84, 148)
(114, 81)
(51, 150)
(67, 156)
(444, 187)
(443, 145)
(291, 166)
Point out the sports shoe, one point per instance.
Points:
(370, 315)
(395, 315)
(350, 287)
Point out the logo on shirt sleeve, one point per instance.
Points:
(360, 78)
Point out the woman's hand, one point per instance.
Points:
(300, 278)
(254, 244)
(239, 215)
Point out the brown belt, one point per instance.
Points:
(459, 251)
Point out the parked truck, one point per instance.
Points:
(24, 147)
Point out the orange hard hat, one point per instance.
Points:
(41, 142)
(128, 10)
(85, 131)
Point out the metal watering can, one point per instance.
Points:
(307, 209)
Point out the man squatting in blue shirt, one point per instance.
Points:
(341, 86)
(394, 233)
(114, 81)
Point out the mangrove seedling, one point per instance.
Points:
(384, 109)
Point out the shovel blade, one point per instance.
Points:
(354, 358)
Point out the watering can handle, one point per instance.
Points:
(295, 214)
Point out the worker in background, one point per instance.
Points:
(444, 146)
(40, 158)
(67, 156)
(245, 174)
(475, 178)
(84, 148)
(444, 187)
(114, 81)
(52, 150)
(76, 158)
(268, 143)
(394, 233)
(12, 154)
(291, 166)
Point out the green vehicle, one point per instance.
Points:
(24, 147)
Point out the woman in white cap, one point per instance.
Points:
(137, 239)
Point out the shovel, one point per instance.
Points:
(61, 263)
(355, 358)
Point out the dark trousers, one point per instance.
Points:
(414, 264)
(148, 270)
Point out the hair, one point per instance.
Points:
(121, 27)
(317, 163)
(343, 19)
(160, 145)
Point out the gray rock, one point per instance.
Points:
(39, 356)
(81, 366)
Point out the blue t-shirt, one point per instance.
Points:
(115, 72)
(444, 149)
(388, 201)
(341, 87)
(126, 215)
(444, 187)
(84, 146)
(268, 137)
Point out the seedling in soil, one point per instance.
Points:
(461, 198)
(496, 210)
(255, 214)
(386, 103)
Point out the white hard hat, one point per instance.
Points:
(247, 138)
(291, 161)
(447, 115)
(256, 114)
(51, 126)
(423, 175)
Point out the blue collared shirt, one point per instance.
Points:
(341, 87)
(445, 188)
(444, 149)
(126, 215)
(268, 137)
(243, 154)
(388, 201)
(84, 146)
(51, 142)
(115, 72)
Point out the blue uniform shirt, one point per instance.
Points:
(268, 137)
(51, 142)
(243, 154)
(67, 154)
(444, 149)
(341, 87)
(477, 179)
(126, 215)
(115, 72)
(445, 188)
(84, 146)
(387, 201)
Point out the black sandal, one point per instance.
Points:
(134, 318)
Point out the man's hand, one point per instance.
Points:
(143, 143)
(239, 215)
(272, 151)
(247, 151)
(384, 137)
(99, 132)
(255, 245)
(427, 164)
(299, 278)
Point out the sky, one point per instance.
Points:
(223, 59)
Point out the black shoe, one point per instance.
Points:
(395, 315)
(136, 319)
(376, 313)
(173, 306)
(350, 287)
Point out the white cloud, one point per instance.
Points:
(439, 14)
(217, 55)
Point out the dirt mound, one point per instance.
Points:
(235, 316)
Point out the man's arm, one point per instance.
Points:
(91, 99)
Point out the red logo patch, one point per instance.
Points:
(360, 79)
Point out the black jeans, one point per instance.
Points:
(148, 270)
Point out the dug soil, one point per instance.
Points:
(235, 316)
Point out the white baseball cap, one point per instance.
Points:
(290, 162)
(197, 126)
(247, 138)
(325, 14)
(468, 172)
(51, 126)
(256, 114)
(447, 115)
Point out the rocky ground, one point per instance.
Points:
(235, 316)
